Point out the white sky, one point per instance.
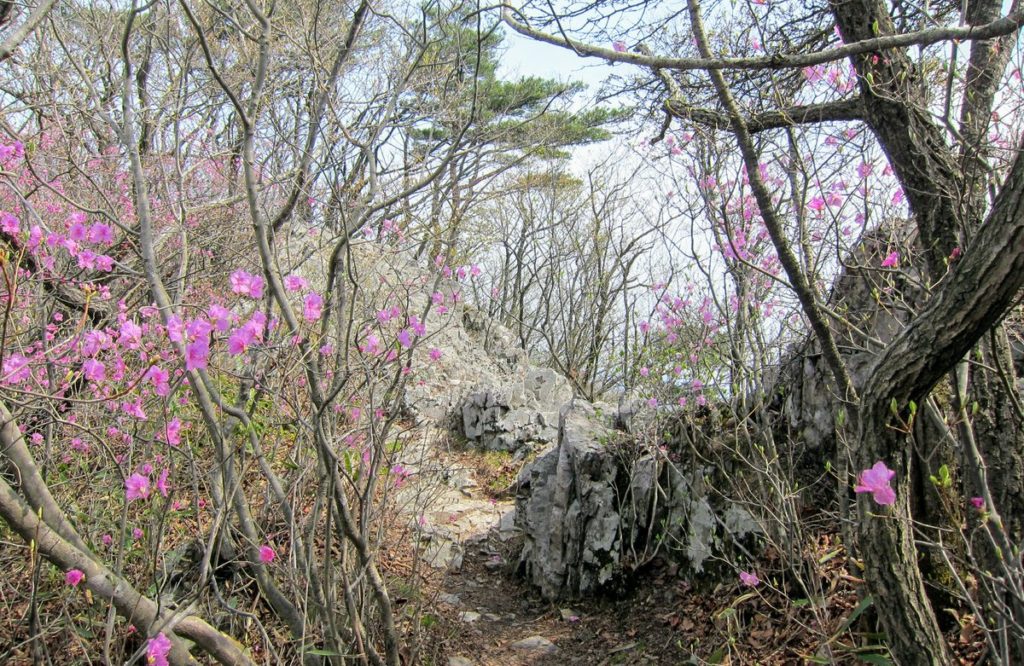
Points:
(527, 57)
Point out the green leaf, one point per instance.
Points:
(864, 604)
(894, 407)
(323, 653)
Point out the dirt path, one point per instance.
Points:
(495, 618)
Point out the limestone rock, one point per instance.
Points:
(522, 411)
(567, 509)
(535, 645)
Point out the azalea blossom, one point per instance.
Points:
(174, 431)
(267, 554)
(136, 487)
(892, 260)
(157, 649)
(312, 306)
(295, 283)
(73, 577)
(619, 46)
(197, 354)
(94, 370)
(435, 354)
(247, 284)
(749, 579)
(876, 481)
(978, 503)
(9, 224)
(161, 482)
(404, 338)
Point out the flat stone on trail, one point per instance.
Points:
(469, 616)
(535, 644)
(459, 661)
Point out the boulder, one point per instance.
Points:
(594, 507)
(567, 508)
(519, 413)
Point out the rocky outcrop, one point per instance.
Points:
(568, 511)
(591, 509)
(521, 413)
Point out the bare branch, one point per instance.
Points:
(1002, 26)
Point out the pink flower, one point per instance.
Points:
(76, 231)
(978, 503)
(876, 482)
(435, 354)
(372, 346)
(136, 487)
(221, 317)
(295, 283)
(404, 338)
(174, 431)
(197, 354)
(157, 649)
(267, 554)
(100, 234)
(619, 47)
(9, 224)
(749, 579)
(312, 306)
(73, 577)
(240, 340)
(652, 402)
(94, 370)
(892, 260)
(247, 284)
(161, 483)
(644, 372)
(107, 540)
(401, 474)
(137, 533)
(864, 169)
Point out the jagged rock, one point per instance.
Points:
(585, 505)
(520, 412)
(567, 508)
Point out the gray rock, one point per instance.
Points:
(521, 411)
(535, 645)
(567, 509)
(459, 661)
(469, 617)
(583, 506)
(450, 599)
